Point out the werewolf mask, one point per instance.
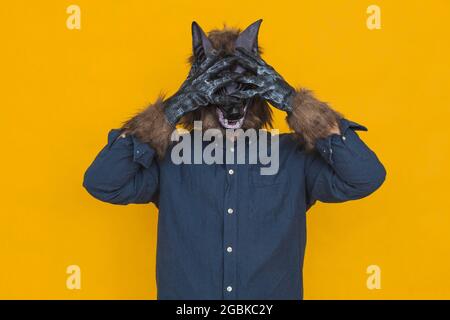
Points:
(231, 115)
(241, 103)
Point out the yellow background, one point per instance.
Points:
(62, 90)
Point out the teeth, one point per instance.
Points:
(235, 124)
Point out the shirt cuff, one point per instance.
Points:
(142, 152)
(325, 145)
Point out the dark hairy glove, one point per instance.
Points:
(201, 86)
(265, 81)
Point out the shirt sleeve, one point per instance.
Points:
(343, 168)
(125, 171)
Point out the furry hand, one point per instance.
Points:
(267, 83)
(200, 87)
(312, 119)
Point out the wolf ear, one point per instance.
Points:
(201, 46)
(248, 39)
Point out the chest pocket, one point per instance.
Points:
(270, 198)
(205, 185)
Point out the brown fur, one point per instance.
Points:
(311, 119)
(258, 116)
(151, 126)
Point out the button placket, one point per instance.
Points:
(230, 233)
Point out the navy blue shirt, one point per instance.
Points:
(224, 230)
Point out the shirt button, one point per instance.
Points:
(343, 138)
(230, 211)
(229, 249)
(231, 171)
(232, 149)
(229, 288)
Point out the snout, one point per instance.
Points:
(232, 115)
(236, 113)
(233, 112)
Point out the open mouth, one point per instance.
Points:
(230, 124)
